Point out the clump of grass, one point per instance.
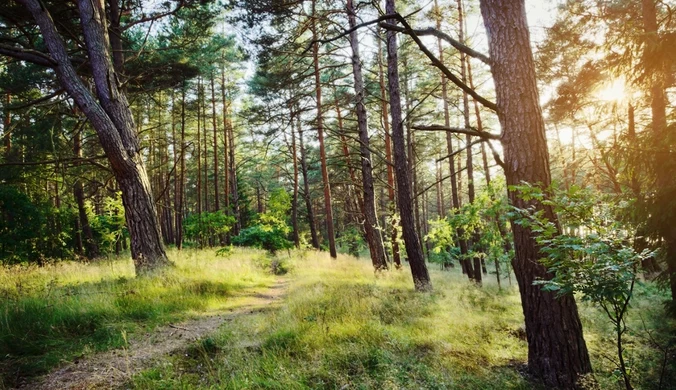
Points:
(59, 312)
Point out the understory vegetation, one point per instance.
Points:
(59, 313)
(340, 326)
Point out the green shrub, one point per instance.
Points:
(208, 226)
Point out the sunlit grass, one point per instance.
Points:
(56, 313)
(344, 327)
(340, 326)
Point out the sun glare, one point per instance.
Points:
(612, 91)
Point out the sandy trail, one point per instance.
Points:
(112, 368)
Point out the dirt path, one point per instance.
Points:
(112, 368)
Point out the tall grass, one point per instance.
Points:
(63, 311)
(342, 327)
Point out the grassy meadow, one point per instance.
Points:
(340, 326)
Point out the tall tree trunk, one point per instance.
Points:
(476, 267)
(205, 163)
(217, 195)
(328, 209)
(233, 180)
(348, 160)
(180, 185)
(226, 125)
(421, 277)
(114, 124)
(487, 173)
(455, 200)
(294, 198)
(306, 187)
(371, 228)
(658, 106)
(557, 352)
(410, 140)
(396, 257)
(441, 212)
(198, 147)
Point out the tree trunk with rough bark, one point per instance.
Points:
(557, 352)
(328, 208)
(416, 261)
(371, 229)
(396, 257)
(112, 119)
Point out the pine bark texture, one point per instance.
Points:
(557, 352)
(421, 278)
(371, 229)
(394, 235)
(112, 119)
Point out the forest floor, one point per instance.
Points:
(227, 323)
(111, 369)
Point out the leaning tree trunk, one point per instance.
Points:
(371, 229)
(421, 277)
(112, 119)
(557, 352)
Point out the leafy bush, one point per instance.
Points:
(352, 239)
(479, 223)
(263, 236)
(110, 227)
(271, 230)
(208, 226)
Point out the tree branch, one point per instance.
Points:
(28, 55)
(346, 32)
(435, 61)
(440, 34)
(459, 130)
(72, 160)
(38, 101)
